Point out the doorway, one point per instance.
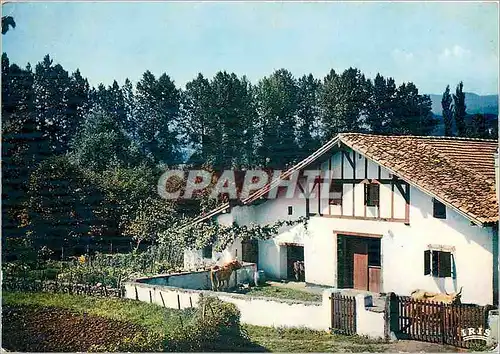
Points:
(359, 262)
(250, 251)
(293, 253)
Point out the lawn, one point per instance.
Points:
(160, 320)
(153, 317)
(282, 293)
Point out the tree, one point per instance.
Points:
(157, 117)
(130, 123)
(308, 114)
(232, 115)
(153, 217)
(380, 107)
(276, 99)
(412, 113)
(123, 189)
(63, 206)
(197, 117)
(446, 104)
(52, 94)
(7, 22)
(478, 127)
(101, 143)
(343, 102)
(23, 144)
(459, 110)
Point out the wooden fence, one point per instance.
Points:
(51, 286)
(436, 322)
(343, 314)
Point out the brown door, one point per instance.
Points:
(360, 264)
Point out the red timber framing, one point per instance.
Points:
(396, 185)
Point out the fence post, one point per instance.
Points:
(393, 313)
(443, 315)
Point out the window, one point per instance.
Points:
(290, 210)
(439, 209)
(438, 263)
(373, 252)
(336, 194)
(207, 251)
(372, 193)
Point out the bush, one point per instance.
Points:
(214, 322)
(150, 342)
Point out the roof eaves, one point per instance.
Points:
(474, 219)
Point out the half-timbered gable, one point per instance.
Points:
(400, 213)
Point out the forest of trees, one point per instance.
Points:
(88, 158)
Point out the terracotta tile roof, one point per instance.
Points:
(458, 171)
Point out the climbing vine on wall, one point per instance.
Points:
(220, 236)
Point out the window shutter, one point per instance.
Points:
(453, 267)
(445, 264)
(376, 194)
(367, 197)
(435, 263)
(427, 262)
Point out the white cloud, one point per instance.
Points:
(402, 55)
(454, 53)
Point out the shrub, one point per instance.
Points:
(151, 342)
(213, 322)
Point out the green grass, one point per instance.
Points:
(154, 317)
(306, 340)
(283, 293)
(162, 320)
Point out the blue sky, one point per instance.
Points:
(431, 44)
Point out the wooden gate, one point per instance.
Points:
(343, 314)
(435, 322)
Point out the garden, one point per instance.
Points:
(37, 322)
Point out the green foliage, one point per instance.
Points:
(446, 104)
(381, 104)
(214, 322)
(204, 234)
(218, 118)
(308, 129)
(64, 206)
(157, 320)
(116, 138)
(7, 22)
(276, 101)
(157, 114)
(412, 112)
(100, 143)
(459, 110)
(150, 342)
(343, 100)
(153, 216)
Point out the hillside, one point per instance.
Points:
(487, 104)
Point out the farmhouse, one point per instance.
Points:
(403, 213)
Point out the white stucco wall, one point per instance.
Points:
(200, 280)
(402, 246)
(402, 249)
(254, 310)
(369, 323)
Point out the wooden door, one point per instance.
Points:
(250, 251)
(360, 264)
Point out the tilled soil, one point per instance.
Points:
(36, 329)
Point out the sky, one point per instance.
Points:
(430, 44)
